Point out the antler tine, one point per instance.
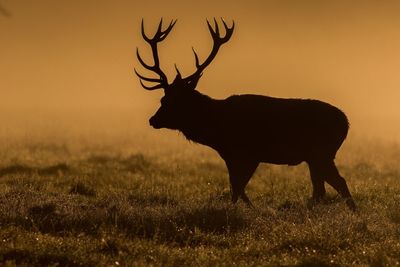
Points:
(228, 30)
(154, 80)
(147, 39)
(159, 36)
(169, 28)
(210, 28)
(144, 64)
(158, 86)
(216, 27)
(216, 33)
(196, 58)
(218, 41)
(159, 29)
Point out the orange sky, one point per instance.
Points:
(77, 56)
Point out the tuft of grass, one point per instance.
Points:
(82, 189)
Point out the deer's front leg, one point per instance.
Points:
(240, 172)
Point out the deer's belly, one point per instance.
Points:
(281, 156)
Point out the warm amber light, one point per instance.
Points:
(70, 63)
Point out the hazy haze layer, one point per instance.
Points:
(70, 63)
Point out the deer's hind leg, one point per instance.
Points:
(339, 184)
(318, 183)
(328, 170)
(240, 172)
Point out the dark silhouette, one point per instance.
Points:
(248, 129)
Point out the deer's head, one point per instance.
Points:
(179, 94)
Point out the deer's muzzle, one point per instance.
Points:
(153, 123)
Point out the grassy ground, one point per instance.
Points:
(103, 206)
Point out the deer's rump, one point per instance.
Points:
(280, 131)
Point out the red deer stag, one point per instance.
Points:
(249, 129)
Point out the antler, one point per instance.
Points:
(218, 41)
(159, 36)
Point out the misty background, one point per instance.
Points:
(66, 66)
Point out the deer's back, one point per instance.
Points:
(277, 130)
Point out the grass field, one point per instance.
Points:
(137, 202)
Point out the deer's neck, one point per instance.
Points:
(201, 125)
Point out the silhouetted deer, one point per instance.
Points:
(248, 129)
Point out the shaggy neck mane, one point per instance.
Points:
(201, 120)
